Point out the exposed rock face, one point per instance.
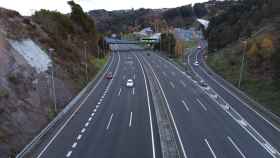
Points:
(25, 100)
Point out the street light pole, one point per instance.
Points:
(51, 51)
(242, 64)
(85, 60)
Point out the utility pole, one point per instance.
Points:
(242, 64)
(51, 51)
(85, 60)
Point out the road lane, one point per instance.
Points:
(214, 124)
(102, 123)
(262, 125)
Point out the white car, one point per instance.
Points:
(196, 63)
(129, 83)
(198, 47)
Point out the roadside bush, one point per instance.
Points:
(3, 93)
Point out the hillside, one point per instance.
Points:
(251, 28)
(26, 101)
(134, 20)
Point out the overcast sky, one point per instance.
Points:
(26, 7)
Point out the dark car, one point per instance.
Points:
(109, 76)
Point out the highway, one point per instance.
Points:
(205, 128)
(113, 121)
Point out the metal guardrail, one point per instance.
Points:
(35, 140)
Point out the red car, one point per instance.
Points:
(109, 76)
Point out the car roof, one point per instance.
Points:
(129, 80)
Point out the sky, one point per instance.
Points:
(27, 7)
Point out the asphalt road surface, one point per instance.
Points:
(115, 121)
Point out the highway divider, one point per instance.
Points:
(171, 146)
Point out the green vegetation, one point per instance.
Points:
(75, 40)
(3, 93)
(51, 112)
(227, 64)
(99, 62)
(167, 44)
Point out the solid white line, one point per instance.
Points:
(169, 110)
(130, 119)
(248, 106)
(203, 106)
(133, 90)
(69, 154)
(119, 93)
(79, 137)
(83, 130)
(186, 106)
(236, 147)
(172, 85)
(183, 83)
(109, 123)
(78, 108)
(212, 151)
(149, 107)
(74, 145)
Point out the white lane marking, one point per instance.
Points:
(212, 151)
(183, 83)
(169, 110)
(236, 147)
(130, 119)
(248, 106)
(74, 145)
(79, 137)
(134, 76)
(83, 130)
(69, 154)
(120, 91)
(110, 120)
(172, 84)
(186, 106)
(133, 91)
(149, 107)
(203, 106)
(78, 108)
(259, 138)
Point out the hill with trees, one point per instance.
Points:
(250, 28)
(26, 102)
(135, 20)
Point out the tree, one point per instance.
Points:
(168, 43)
